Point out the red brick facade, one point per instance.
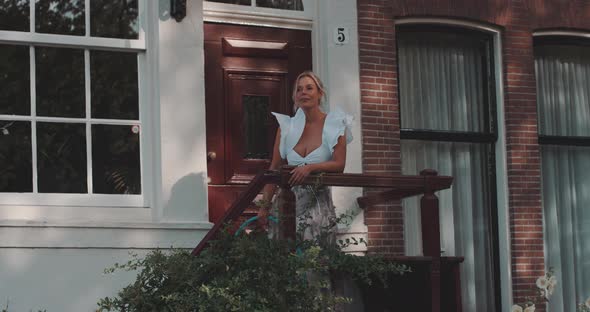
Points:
(516, 20)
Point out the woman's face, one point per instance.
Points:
(308, 95)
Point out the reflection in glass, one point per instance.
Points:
(60, 82)
(240, 2)
(65, 17)
(61, 158)
(15, 97)
(16, 174)
(14, 15)
(113, 82)
(115, 159)
(294, 5)
(114, 19)
(256, 125)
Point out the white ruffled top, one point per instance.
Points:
(337, 123)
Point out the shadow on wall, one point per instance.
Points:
(188, 200)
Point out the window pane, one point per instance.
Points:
(565, 181)
(61, 158)
(113, 83)
(465, 211)
(441, 78)
(16, 173)
(295, 5)
(65, 17)
(115, 159)
(14, 15)
(60, 82)
(241, 2)
(15, 96)
(563, 87)
(255, 125)
(114, 19)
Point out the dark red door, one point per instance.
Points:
(249, 72)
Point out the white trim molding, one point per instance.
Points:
(258, 16)
(563, 33)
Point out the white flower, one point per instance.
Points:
(550, 289)
(587, 302)
(530, 308)
(516, 308)
(542, 282)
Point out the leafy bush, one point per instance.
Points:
(244, 273)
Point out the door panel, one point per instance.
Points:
(248, 74)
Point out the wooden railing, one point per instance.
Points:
(394, 188)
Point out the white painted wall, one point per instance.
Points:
(52, 257)
(338, 65)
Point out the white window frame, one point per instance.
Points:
(260, 16)
(87, 43)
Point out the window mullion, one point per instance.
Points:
(87, 17)
(88, 120)
(32, 16)
(33, 87)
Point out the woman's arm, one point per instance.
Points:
(336, 164)
(275, 164)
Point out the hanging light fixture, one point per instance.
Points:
(178, 9)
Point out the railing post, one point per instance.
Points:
(287, 224)
(431, 235)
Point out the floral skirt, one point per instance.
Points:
(314, 211)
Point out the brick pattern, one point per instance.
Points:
(524, 165)
(380, 120)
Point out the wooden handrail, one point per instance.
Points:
(397, 187)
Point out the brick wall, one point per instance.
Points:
(517, 19)
(380, 118)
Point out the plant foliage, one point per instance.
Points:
(244, 273)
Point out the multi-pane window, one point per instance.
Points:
(447, 124)
(562, 69)
(69, 99)
(295, 5)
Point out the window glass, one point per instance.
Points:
(15, 97)
(114, 18)
(15, 156)
(113, 81)
(60, 82)
(443, 77)
(115, 159)
(295, 5)
(64, 17)
(444, 95)
(14, 15)
(240, 2)
(256, 125)
(61, 157)
(563, 88)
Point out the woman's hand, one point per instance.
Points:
(299, 174)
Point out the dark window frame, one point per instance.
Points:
(489, 136)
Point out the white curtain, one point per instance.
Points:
(442, 88)
(563, 88)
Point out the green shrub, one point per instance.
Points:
(244, 273)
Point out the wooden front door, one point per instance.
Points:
(249, 73)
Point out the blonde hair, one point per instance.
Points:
(316, 80)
